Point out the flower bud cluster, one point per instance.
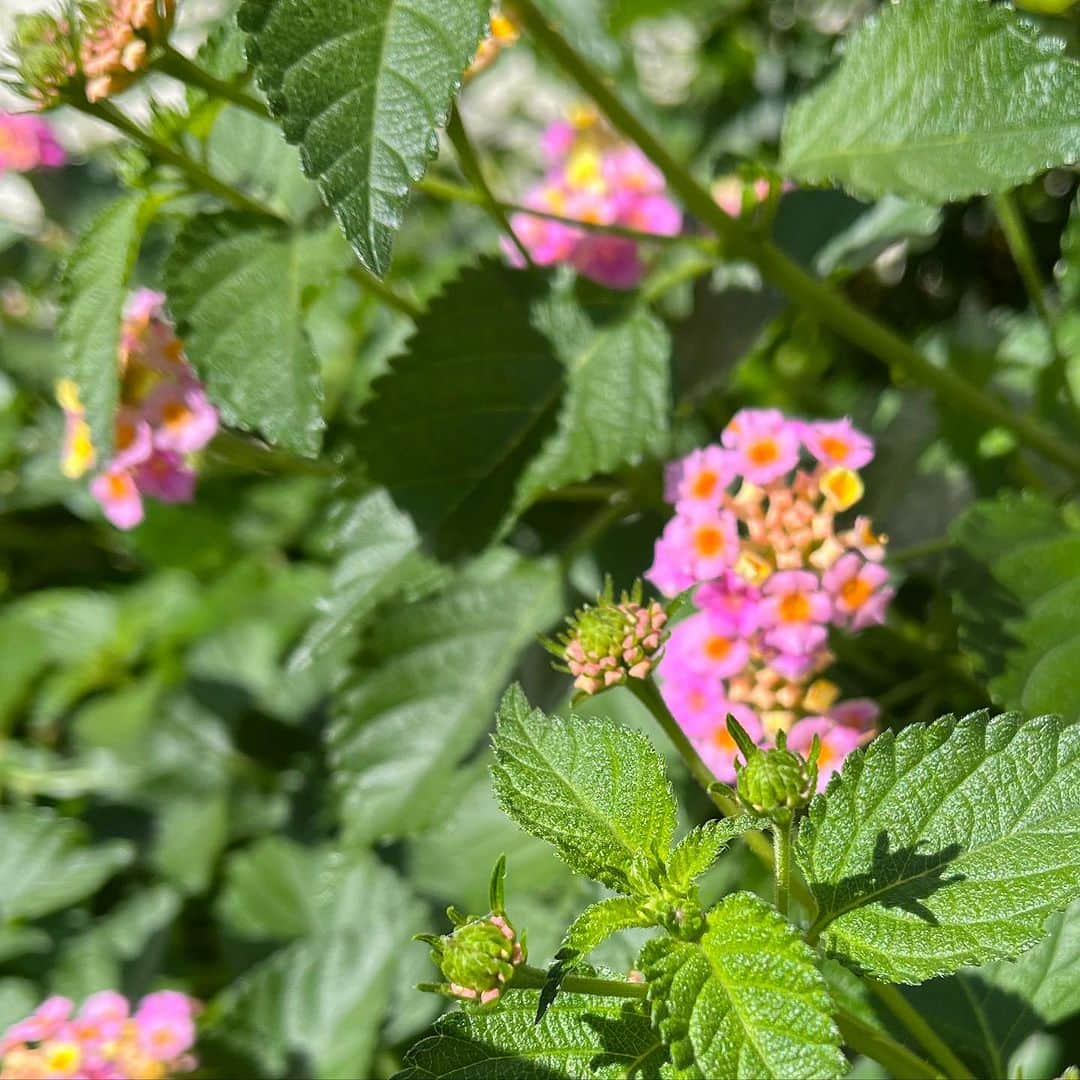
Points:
(117, 40)
(106, 1040)
(46, 56)
(611, 641)
(756, 530)
(478, 958)
(595, 178)
(164, 418)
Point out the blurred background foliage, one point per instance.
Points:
(243, 748)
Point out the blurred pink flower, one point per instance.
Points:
(27, 143)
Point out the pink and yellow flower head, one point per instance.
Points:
(755, 530)
(595, 179)
(164, 419)
(27, 143)
(104, 1041)
(118, 38)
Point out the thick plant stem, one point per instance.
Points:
(367, 280)
(469, 161)
(648, 693)
(897, 1058)
(923, 1033)
(193, 172)
(530, 978)
(782, 865)
(821, 299)
(180, 67)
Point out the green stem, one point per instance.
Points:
(469, 161)
(817, 297)
(895, 1057)
(648, 693)
(923, 1033)
(1016, 236)
(530, 978)
(438, 188)
(197, 176)
(782, 865)
(367, 280)
(180, 67)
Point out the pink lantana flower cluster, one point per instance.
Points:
(593, 177)
(756, 532)
(28, 143)
(106, 1040)
(164, 418)
(117, 39)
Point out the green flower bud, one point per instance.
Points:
(479, 958)
(774, 779)
(44, 50)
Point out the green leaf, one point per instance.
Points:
(428, 688)
(747, 1000)
(362, 86)
(598, 922)
(986, 1013)
(495, 394)
(95, 286)
(948, 844)
(595, 790)
(267, 894)
(314, 1008)
(45, 866)
(888, 222)
(938, 100)
(701, 846)
(237, 287)
(618, 399)
(376, 545)
(578, 1036)
(1017, 600)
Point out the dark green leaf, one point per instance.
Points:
(362, 86)
(747, 1000)
(95, 288)
(458, 418)
(948, 844)
(938, 100)
(238, 289)
(429, 688)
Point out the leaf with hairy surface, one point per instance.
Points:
(362, 86)
(938, 100)
(596, 791)
(948, 844)
(578, 1036)
(747, 1000)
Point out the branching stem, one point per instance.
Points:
(176, 64)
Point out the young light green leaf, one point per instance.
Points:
(987, 102)
(618, 397)
(578, 1036)
(95, 287)
(397, 733)
(45, 866)
(237, 287)
(495, 398)
(701, 846)
(595, 790)
(1017, 601)
(747, 1000)
(890, 221)
(948, 844)
(362, 86)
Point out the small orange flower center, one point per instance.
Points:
(175, 414)
(835, 447)
(826, 757)
(119, 486)
(125, 435)
(696, 700)
(795, 607)
(722, 739)
(856, 592)
(717, 647)
(708, 541)
(763, 452)
(704, 484)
